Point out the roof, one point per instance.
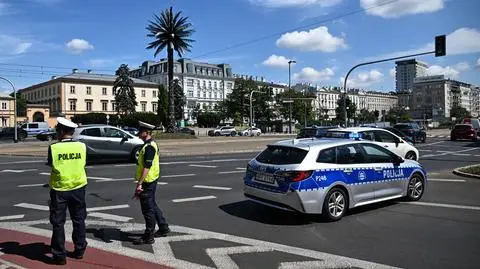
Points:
(309, 143)
(355, 129)
(5, 96)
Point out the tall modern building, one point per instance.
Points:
(204, 84)
(406, 72)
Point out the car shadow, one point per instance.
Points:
(264, 214)
(371, 207)
(32, 251)
(109, 235)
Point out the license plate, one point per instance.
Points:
(265, 178)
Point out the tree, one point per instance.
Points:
(299, 106)
(236, 104)
(162, 110)
(125, 98)
(171, 31)
(262, 108)
(21, 105)
(351, 109)
(366, 116)
(459, 112)
(397, 114)
(179, 100)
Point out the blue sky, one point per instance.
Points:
(103, 34)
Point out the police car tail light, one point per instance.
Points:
(296, 176)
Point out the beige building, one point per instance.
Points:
(80, 93)
(7, 108)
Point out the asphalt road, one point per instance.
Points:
(215, 226)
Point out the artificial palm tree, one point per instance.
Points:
(171, 31)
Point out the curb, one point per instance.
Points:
(457, 172)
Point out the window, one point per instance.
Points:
(190, 82)
(113, 91)
(95, 132)
(215, 85)
(154, 107)
(349, 154)
(327, 156)
(229, 85)
(112, 132)
(384, 137)
(144, 107)
(33, 126)
(143, 93)
(49, 91)
(369, 135)
(73, 105)
(204, 94)
(377, 154)
(154, 94)
(204, 84)
(282, 155)
(210, 95)
(114, 107)
(104, 106)
(89, 90)
(88, 105)
(190, 93)
(4, 105)
(104, 91)
(198, 93)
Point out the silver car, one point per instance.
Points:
(104, 141)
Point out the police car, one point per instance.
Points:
(329, 176)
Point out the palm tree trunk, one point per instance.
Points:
(171, 92)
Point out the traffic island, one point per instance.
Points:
(471, 171)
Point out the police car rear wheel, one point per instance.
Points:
(335, 204)
(415, 188)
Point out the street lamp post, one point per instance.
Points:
(251, 107)
(290, 96)
(15, 139)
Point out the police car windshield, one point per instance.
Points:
(281, 155)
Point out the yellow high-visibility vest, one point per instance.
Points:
(68, 166)
(154, 172)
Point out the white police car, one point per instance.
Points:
(329, 176)
(381, 137)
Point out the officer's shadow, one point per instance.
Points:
(109, 235)
(33, 251)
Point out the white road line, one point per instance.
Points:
(203, 166)
(31, 185)
(425, 150)
(428, 155)
(33, 206)
(44, 174)
(114, 179)
(193, 199)
(467, 207)
(38, 161)
(11, 217)
(125, 164)
(184, 175)
(17, 171)
(109, 217)
(435, 143)
(209, 161)
(101, 208)
(241, 168)
(446, 180)
(100, 178)
(212, 187)
(162, 183)
(230, 172)
(461, 154)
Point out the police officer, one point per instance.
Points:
(68, 180)
(147, 174)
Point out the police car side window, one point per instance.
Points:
(377, 154)
(384, 137)
(110, 132)
(327, 156)
(95, 132)
(349, 154)
(369, 135)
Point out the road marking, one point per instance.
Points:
(31, 185)
(435, 143)
(17, 171)
(212, 187)
(241, 168)
(162, 183)
(230, 172)
(221, 256)
(202, 165)
(467, 207)
(33, 206)
(4, 264)
(193, 199)
(444, 153)
(461, 154)
(446, 180)
(188, 162)
(44, 174)
(11, 217)
(114, 179)
(184, 175)
(102, 208)
(109, 217)
(23, 162)
(425, 150)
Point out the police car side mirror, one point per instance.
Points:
(397, 160)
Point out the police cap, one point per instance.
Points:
(145, 126)
(67, 123)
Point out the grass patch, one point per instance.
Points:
(471, 170)
(160, 136)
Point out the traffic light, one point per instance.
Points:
(440, 46)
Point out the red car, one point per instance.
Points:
(463, 131)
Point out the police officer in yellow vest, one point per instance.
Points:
(147, 175)
(67, 190)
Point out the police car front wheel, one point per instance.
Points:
(335, 204)
(416, 187)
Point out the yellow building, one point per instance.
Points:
(81, 93)
(7, 108)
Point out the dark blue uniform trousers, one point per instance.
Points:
(75, 202)
(150, 209)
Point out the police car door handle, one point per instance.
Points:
(348, 170)
(378, 169)
(386, 146)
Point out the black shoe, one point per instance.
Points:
(162, 232)
(59, 260)
(143, 241)
(78, 255)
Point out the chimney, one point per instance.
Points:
(54, 77)
(89, 71)
(75, 70)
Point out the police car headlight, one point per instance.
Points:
(295, 176)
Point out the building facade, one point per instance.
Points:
(406, 71)
(204, 84)
(80, 93)
(7, 108)
(475, 101)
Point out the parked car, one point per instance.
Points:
(185, 130)
(463, 131)
(314, 131)
(34, 128)
(225, 130)
(104, 141)
(399, 133)
(47, 135)
(413, 131)
(253, 131)
(474, 122)
(131, 130)
(8, 133)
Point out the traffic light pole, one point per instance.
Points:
(368, 63)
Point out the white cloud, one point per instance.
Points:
(10, 45)
(294, 3)
(447, 71)
(309, 74)
(78, 45)
(318, 39)
(364, 79)
(276, 61)
(3, 8)
(392, 72)
(478, 63)
(462, 66)
(400, 8)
